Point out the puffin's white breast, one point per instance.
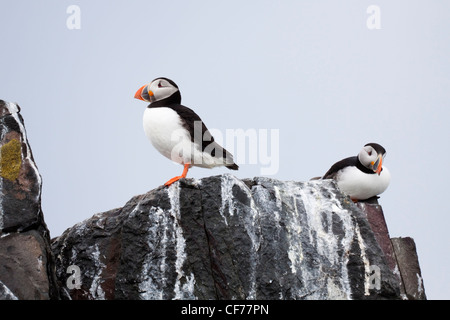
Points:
(164, 128)
(359, 185)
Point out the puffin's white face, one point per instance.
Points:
(156, 90)
(370, 158)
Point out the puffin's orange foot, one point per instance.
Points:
(174, 179)
(355, 200)
(183, 175)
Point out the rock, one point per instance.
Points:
(23, 267)
(214, 238)
(225, 238)
(26, 262)
(375, 217)
(408, 264)
(5, 293)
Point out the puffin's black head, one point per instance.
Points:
(161, 90)
(371, 156)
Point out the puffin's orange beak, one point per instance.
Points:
(138, 94)
(143, 94)
(378, 164)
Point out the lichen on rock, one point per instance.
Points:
(26, 261)
(10, 159)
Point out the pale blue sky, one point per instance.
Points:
(310, 69)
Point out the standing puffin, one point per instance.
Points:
(177, 132)
(363, 176)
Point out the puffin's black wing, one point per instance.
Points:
(347, 162)
(192, 121)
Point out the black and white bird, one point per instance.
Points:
(363, 176)
(177, 132)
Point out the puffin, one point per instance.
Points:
(363, 176)
(177, 132)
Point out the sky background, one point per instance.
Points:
(311, 69)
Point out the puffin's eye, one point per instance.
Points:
(159, 85)
(370, 152)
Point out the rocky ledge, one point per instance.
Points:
(225, 238)
(215, 238)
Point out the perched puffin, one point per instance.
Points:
(177, 132)
(363, 176)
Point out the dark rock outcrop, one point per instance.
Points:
(26, 264)
(223, 238)
(214, 238)
(400, 253)
(408, 268)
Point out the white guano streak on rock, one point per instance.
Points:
(309, 199)
(326, 242)
(277, 219)
(366, 262)
(295, 253)
(226, 188)
(279, 204)
(290, 196)
(227, 183)
(419, 284)
(310, 277)
(346, 242)
(9, 294)
(185, 291)
(25, 139)
(250, 222)
(96, 289)
(148, 288)
(163, 220)
(334, 292)
(253, 232)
